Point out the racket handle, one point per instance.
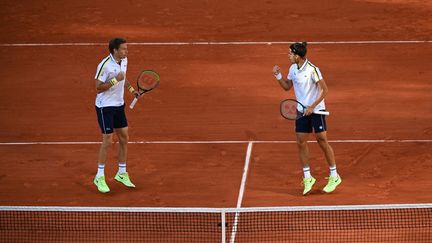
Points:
(133, 103)
(326, 113)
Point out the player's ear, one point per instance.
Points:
(115, 51)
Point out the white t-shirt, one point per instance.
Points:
(107, 70)
(305, 84)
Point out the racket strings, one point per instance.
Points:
(147, 81)
(289, 110)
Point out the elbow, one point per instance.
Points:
(289, 87)
(100, 88)
(324, 92)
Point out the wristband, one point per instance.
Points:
(113, 81)
(278, 76)
(131, 89)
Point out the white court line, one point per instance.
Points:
(241, 192)
(361, 141)
(220, 43)
(245, 172)
(220, 142)
(214, 210)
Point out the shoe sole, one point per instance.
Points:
(124, 184)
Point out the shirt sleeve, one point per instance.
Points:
(101, 73)
(290, 74)
(316, 75)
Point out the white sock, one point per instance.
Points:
(122, 167)
(100, 171)
(306, 172)
(333, 171)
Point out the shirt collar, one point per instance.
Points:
(114, 60)
(304, 65)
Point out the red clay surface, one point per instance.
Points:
(377, 91)
(97, 21)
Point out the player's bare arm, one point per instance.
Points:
(104, 86)
(323, 92)
(285, 83)
(131, 90)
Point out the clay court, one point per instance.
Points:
(217, 108)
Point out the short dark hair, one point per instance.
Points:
(299, 48)
(115, 44)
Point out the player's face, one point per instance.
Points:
(292, 56)
(122, 51)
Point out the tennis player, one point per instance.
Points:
(310, 90)
(110, 85)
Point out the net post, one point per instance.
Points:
(223, 223)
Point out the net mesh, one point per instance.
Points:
(379, 225)
(27, 226)
(195, 225)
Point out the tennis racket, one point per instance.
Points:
(289, 109)
(147, 80)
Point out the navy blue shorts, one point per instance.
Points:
(111, 117)
(314, 122)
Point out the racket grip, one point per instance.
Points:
(133, 103)
(326, 113)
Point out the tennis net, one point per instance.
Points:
(365, 223)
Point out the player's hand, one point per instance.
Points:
(136, 94)
(120, 76)
(276, 70)
(308, 111)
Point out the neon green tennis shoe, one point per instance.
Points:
(308, 183)
(333, 182)
(124, 178)
(101, 184)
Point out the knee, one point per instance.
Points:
(124, 139)
(107, 141)
(321, 140)
(301, 143)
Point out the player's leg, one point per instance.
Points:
(123, 137)
(121, 129)
(302, 139)
(303, 129)
(321, 138)
(105, 120)
(308, 180)
(103, 150)
(320, 128)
